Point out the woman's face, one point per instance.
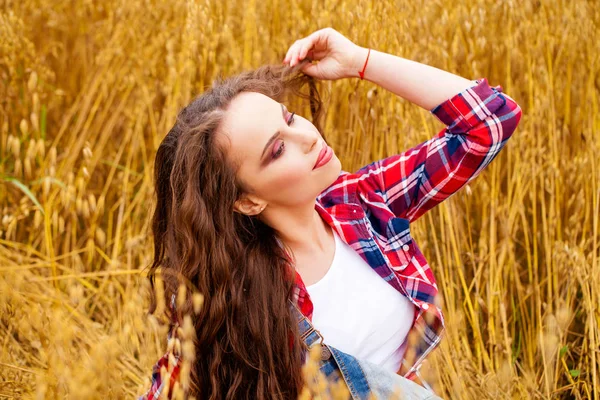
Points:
(276, 151)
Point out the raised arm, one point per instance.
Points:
(421, 84)
(479, 120)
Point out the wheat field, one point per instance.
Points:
(88, 89)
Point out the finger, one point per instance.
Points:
(316, 55)
(287, 54)
(304, 50)
(310, 44)
(308, 68)
(318, 39)
(294, 56)
(303, 47)
(311, 69)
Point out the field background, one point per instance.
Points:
(88, 89)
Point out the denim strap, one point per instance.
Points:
(308, 333)
(348, 366)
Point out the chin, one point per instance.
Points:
(331, 172)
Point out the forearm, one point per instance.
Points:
(421, 84)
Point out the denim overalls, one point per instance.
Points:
(362, 378)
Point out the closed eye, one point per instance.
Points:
(279, 150)
(291, 118)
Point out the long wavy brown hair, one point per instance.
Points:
(244, 330)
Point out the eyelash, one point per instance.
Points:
(280, 150)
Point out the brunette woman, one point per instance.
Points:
(255, 212)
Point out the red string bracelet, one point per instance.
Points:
(362, 73)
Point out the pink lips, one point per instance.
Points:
(324, 156)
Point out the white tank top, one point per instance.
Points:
(359, 313)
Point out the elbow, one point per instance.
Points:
(509, 116)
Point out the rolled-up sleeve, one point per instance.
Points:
(479, 120)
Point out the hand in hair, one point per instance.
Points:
(338, 57)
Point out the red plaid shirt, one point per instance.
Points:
(371, 209)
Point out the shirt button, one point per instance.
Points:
(353, 211)
(405, 247)
(425, 306)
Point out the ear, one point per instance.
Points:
(249, 205)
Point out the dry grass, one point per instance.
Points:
(89, 88)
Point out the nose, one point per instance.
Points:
(313, 139)
(307, 139)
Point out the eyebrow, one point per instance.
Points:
(275, 135)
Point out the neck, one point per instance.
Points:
(301, 228)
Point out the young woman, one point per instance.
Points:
(254, 211)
